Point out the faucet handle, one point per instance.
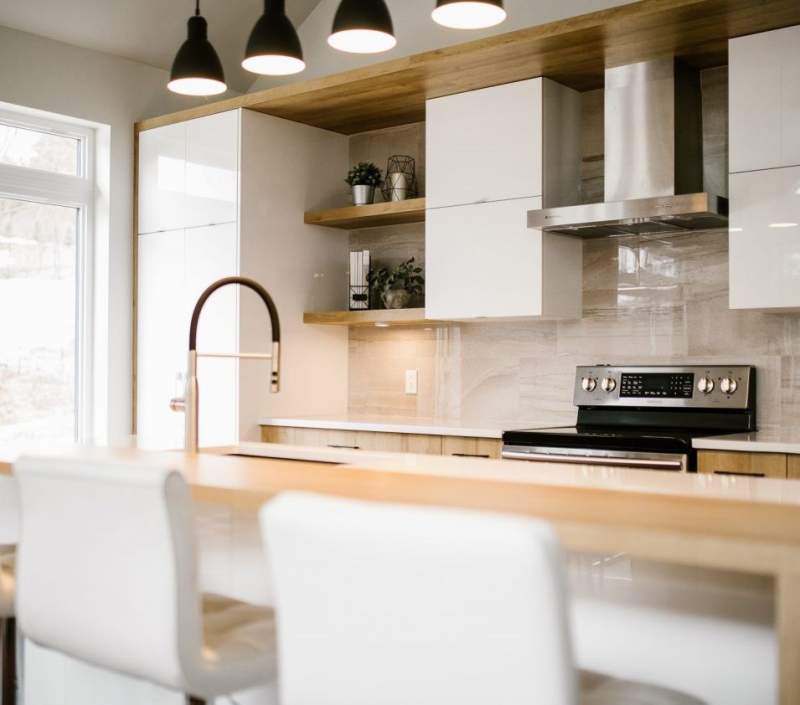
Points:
(177, 404)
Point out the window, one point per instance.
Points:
(46, 196)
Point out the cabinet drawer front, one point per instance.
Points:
(356, 440)
(753, 464)
(312, 437)
(471, 447)
(793, 467)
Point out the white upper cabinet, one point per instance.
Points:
(212, 169)
(162, 178)
(188, 173)
(493, 155)
(765, 239)
(484, 262)
(764, 99)
(484, 145)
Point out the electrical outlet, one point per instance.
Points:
(411, 381)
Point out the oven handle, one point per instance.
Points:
(679, 465)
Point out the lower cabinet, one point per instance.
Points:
(750, 464)
(378, 441)
(471, 447)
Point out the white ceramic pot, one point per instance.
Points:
(363, 195)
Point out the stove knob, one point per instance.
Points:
(705, 385)
(609, 384)
(589, 384)
(728, 385)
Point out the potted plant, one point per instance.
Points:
(363, 178)
(398, 286)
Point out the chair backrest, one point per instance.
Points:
(106, 566)
(9, 511)
(395, 605)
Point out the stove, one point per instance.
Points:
(644, 417)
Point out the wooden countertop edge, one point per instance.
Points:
(249, 482)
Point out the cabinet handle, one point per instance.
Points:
(334, 445)
(470, 455)
(739, 474)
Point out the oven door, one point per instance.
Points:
(674, 462)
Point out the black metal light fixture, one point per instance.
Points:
(362, 27)
(274, 48)
(197, 69)
(469, 14)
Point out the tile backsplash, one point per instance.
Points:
(647, 299)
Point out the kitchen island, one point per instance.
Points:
(736, 533)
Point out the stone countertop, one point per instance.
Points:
(408, 424)
(770, 440)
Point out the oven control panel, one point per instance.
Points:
(701, 387)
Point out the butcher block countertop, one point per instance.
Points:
(737, 523)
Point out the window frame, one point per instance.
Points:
(72, 191)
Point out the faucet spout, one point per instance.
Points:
(190, 402)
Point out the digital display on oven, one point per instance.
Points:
(665, 386)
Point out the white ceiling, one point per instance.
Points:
(148, 31)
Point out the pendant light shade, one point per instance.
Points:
(469, 14)
(197, 69)
(362, 27)
(274, 48)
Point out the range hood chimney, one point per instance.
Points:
(653, 159)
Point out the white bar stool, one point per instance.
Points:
(9, 534)
(396, 605)
(116, 539)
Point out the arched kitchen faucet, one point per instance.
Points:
(189, 402)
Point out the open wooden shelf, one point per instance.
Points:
(574, 51)
(387, 317)
(354, 217)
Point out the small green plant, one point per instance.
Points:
(364, 174)
(406, 275)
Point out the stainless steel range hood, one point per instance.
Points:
(653, 159)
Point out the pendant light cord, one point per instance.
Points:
(197, 8)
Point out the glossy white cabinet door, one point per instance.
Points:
(162, 179)
(765, 239)
(162, 341)
(211, 253)
(764, 100)
(485, 145)
(212, 169)
(483, 261)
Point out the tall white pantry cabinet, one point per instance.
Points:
(224, 195)
(764, 108)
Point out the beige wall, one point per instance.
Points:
(112, 93)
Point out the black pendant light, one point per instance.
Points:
(274, 47)
(362, 27)
(197, 69)
(469, 14)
